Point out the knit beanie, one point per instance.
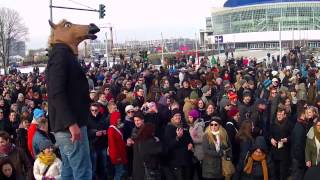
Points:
(174, 112)
(205, 89)
(233, 111)
(194, 113)
(194, 95)
(37, 114)
(45, 144)
(224, 102)
(232, 95)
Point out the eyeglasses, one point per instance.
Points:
(130, 111)
(214, 124)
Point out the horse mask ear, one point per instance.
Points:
(53, 26)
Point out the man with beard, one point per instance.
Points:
(97, 133)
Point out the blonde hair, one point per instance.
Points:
(212, 139)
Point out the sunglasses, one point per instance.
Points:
(214, 124)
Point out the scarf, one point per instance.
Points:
(6, 150)
(46, 159)
(217, 142)
(262, 159)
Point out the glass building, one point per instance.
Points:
(297, 20)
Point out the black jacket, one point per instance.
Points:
(96, 124)
(177, 149)
(298, 142)
(68, 89)
(278, 132)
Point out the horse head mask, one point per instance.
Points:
(71, 34)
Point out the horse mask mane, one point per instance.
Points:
(71, 34)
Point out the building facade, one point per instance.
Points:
(262, 24)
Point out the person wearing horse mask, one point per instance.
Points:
(68, 97)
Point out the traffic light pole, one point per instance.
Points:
(80, 9)
(101, 9)
(51, 10)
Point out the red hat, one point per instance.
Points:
(232, 112)
(114, 118)
(232, 95)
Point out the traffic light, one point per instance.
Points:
(102, 11)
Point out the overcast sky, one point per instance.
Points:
(131, 19)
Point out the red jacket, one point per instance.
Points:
(117, 146)
(31, 132)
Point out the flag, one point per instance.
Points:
(213, 61)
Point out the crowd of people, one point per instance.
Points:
(239, 119)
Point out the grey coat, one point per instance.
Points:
(196, 133)
(211, 164)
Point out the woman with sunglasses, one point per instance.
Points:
(215, 145)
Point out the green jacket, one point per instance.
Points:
(311, 148)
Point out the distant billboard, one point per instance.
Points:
(218, 39)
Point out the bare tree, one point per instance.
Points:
(11, 28)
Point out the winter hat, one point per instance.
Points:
(246, 93)
(174, 112)
(205, 89)
(37, 114)
(232, 95)
(274, 73)
(114, 118)
(45, 144)
(194, 95)
(262, 101)
(260, 143)
(128, 108)
(216, 119)
(219, 79)
(233, 111)
(20, 95)
(224, 102)
(266, 83)
(194, 113)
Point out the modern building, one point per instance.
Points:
(263, 24)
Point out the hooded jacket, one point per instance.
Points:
(117, 146)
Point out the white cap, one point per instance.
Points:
(128, 108)
(274, 73)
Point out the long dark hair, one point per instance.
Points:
(245, 131)
(145, 132)
(2, 163)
